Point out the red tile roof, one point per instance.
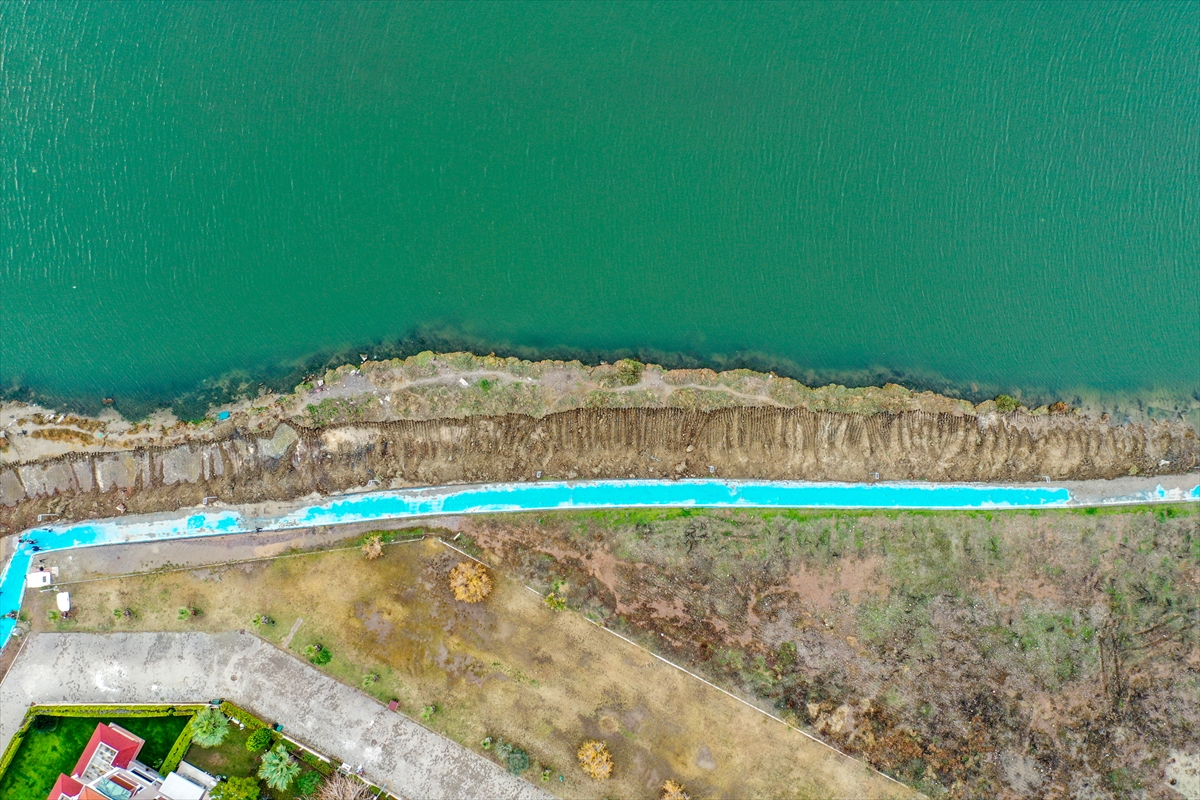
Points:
(126, 744)
(65, 786)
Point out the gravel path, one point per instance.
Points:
(316, 710)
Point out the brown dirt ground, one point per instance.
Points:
(509, 667)
(1000, 654)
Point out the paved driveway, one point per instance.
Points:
(325, 715)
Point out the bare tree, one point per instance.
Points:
(343, 787)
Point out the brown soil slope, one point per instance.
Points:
(761, 442)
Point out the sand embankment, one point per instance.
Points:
(240, 466)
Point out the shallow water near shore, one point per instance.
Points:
(963, 196)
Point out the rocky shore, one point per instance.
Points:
(432, 419)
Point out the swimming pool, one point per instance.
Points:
(542, 496)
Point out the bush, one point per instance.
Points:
(241, 715)
(629, 371)
(308, 783)
(259, 740)
(470, 582)
(515, 759)
(318, 654)
(1006, 404)
(595, 760)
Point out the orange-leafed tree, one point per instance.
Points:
(470, 582)
(674, 791)
(595, 760)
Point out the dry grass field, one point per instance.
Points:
(508, 668)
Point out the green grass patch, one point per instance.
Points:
(53, 745)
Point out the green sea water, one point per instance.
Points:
(983, 196)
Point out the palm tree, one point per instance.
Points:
(278, 769)
(209, 727)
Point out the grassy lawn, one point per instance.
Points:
(54, 744)
(509, 668)
(231, 759)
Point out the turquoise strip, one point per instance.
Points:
(549, 496)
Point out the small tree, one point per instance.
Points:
(277, 768)
(372, 548)
(674, 791)
(209, 727)
(235, 789)
(470, 582)
(595, 760)
(259, 740)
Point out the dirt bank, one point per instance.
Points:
(241, 466)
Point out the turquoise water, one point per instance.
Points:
(548, 496)
(988, 196)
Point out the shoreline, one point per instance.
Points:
(458, 385)
(238, 386)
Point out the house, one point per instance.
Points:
(108, 769)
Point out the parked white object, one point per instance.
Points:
(64, 602)
(39, 579)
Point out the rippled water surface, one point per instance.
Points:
(1002, 195)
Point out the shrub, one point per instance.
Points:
(515, 759)
(470, 582)
(308, 783)
(277, 768)
(555, 602)
(595, 760)
(209, 728)
(629, 371)
(428, 711)
(235, 789)
(369, 679)
(372, 548)
(1006, 404)
(318, 654)
(259, 740)
(674, 791)
(241, 715)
